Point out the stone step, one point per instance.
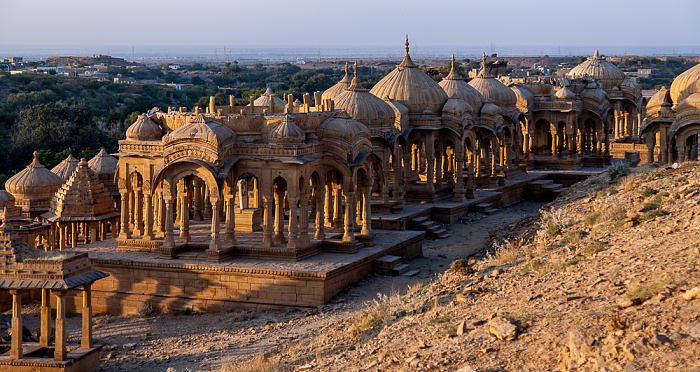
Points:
(411, 273)
(383, 265)
(400, 270)
(539, 183)
(419, 220)
(490, 211)
(552, 186)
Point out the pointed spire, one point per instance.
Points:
(268, 92)
(347, 70)
(453, 74)
(484, 71)
(355, 85)
(453, 63)
(407, 62)
(596, 55)
(35, 163)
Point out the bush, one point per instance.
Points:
(617, 171)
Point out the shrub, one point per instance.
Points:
(592, 219)
(616, 171)
(145, 310)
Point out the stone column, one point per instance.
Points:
(73, 235)
(61, 334)
(148, 228)
(328, 206)
(207, 203)
(169, 238)
(185, 218)
(459, 192)
(215, 244)
(321, 198)
(86, 339)
(366, 213)
(293, 223)
(45, 318)
(430, 158)
(349, 234)
(16, 344)
(230, 238)
(304, 218)
(626, 123)
(337, 209)
(438, 171)
(278, 238)
(160, 216)
(267, 220)
(61, 236)
(124, 233)
(138, 212)
(197, 200)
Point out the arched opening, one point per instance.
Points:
(542, 141)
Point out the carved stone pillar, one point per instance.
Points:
(198, 200)
(267, 220)
(148, 227)
(86, 338)
(61, 334)
(229, 204)
(138, 212)
(304, 218)
(185, 219)
(321, 200)
(278, 238)
(348, 234)
(337, 209)
(215, 244)
(169, 238)
(328, 206)
(366, 213)
(438, 171)
(16, 343)
(45, 318)
(124, 233)
(430, 158)
(293, 223)
(460, 192)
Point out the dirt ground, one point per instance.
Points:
(205, 341)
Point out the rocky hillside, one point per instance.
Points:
(607, 278)
(86, 61)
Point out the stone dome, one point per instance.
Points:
(454, 85)
(491, 89)
(457, 106)
(631, 87)
(564, 94)
(6, 199)
(267, 97)
(656, 100)
(33, 181)
(489, 109)
(287, 132)
(363, 106)
(691, 103)
(65, 168)
(685, 84)
(144, 129)
(104, 164)
(203, 130)
(343, 127)
(339, 87)
(593, 92)
(412, 87)
(605, 72)
(523, 97)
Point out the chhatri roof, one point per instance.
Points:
(412, 87)
(605, 72)
(491, 89)
(82, 198)
(144, 129)
(65, 168)
(455, 85)
(363, 106)
(685, 84)
(339, 87)
(267, 97)
(34, 180)
(204, 130)
(654, 103)
(287, 132)
(104, 164)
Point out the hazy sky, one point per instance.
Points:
(355, 22)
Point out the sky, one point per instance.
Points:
(351, 23)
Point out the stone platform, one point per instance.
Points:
(137, 278)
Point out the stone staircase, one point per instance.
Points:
(543, 190)
(486, 208)
(431, 228)
(393, 266)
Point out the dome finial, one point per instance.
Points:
(36, 155)
(347, 69)
(596, 55)
(354, 69)
(406, 43)
(453, 61)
